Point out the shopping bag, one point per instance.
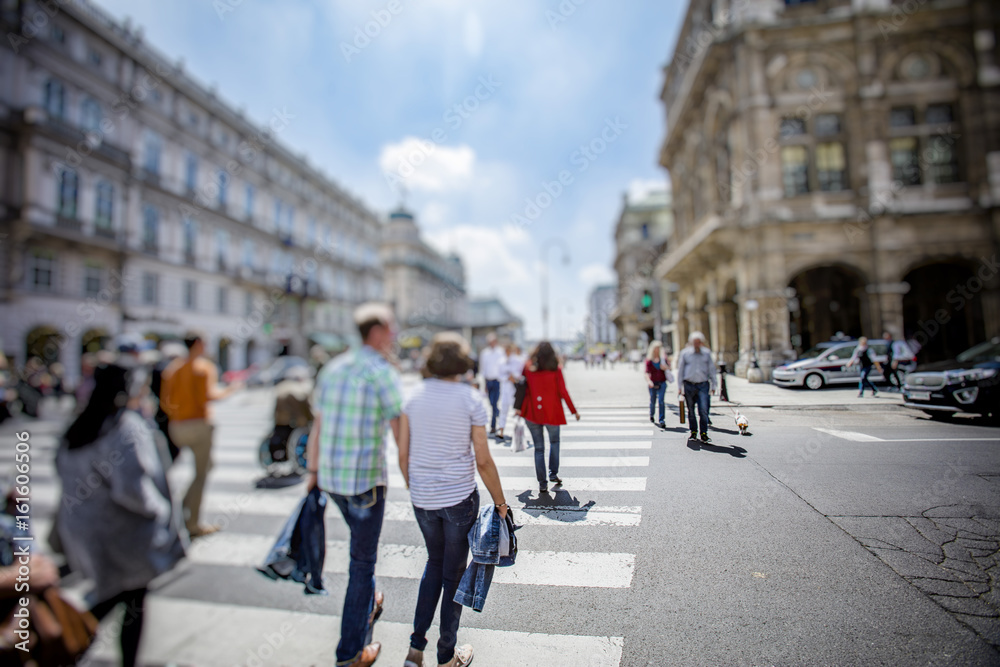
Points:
(520, 436)
(681, 405)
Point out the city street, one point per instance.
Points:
(853, 533)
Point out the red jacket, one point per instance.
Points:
(543, 399)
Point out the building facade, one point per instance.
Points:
(644, 226)
(836, 168)
(600, 326)
(426, 288)
(134, 200)
(491, 316)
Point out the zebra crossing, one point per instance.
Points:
(576, 544)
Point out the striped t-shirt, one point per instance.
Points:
(442, 462)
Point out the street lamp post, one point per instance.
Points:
(754, 374)
(544, 270)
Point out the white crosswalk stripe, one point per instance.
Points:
(609, 449)
(209, 634)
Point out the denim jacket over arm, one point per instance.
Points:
(485, 539)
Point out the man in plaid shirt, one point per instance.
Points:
(357, 393)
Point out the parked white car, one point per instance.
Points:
(826, 364)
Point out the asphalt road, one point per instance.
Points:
(827, 537)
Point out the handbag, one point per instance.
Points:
(58, 632)
(520, 436)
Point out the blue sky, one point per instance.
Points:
(533, 85)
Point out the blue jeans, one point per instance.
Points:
(363, 514)
(538, 438)
(493, 390)
(657, 392)
(863, 380)
(446, 534)
(696, 396)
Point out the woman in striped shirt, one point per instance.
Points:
(442, 442)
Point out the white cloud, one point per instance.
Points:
(420, 164)
(493, 257)
(472, 35)
(597, 274)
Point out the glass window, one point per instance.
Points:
(43, 269)
(223, 300)
(223, 178)
(92, 279)
(190, 294)
(221, 247)
(57, 34)
(843, 353)
(105, 205)
(645, 230)
(150, 289)
(55, 99)
(91, 115)
(902, 117)
(249, 252)
(942, 163)
(248, 306)
(191, 172)
(94, 57)
(152, 147)
(190, 240)
(311, 231)
(67, 195)
(904, 155)
(277, 215)
(792, 127)
(831, 167)
(938, 113)
(827, 125)
(248, 202)
(150, 228)
(795, 170)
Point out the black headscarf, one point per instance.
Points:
(111, 392)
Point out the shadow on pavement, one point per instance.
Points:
(732, 450)
(558, 505)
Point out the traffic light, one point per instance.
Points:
(647, 301)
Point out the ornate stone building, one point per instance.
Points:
(426, 288)
(835, 167)
(641, 234)
(134, 200)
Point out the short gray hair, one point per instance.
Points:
(697, 335)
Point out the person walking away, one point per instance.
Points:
(512, 370)
(357, 394)
(695, 382)
(291, 410)
(441, 445)
(542, 407)
(862, 355)
(491, 362)
(187, 387)
(657, 376)
(122, 533)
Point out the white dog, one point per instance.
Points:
(742, 423)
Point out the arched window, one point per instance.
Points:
(67, 194)
(91, 115)
(55, 99)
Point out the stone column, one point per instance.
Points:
(773, 332)
(889, 300)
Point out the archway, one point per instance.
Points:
(224, 344)
(943, 311)
(93, 340)
(44, 342)
(829, 300)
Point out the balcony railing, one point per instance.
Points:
(104, 231)
(71, 224)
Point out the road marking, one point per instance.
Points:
(220, 505)
(407, 561)
(210, 634)
(612, 431)
(848, 435)
(518, 461)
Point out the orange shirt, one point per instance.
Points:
(186, 388)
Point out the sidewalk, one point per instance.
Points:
(624, 387)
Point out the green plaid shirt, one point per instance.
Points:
(357, 393)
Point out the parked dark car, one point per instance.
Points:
(968, 383)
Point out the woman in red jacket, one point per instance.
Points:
(542, 406)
